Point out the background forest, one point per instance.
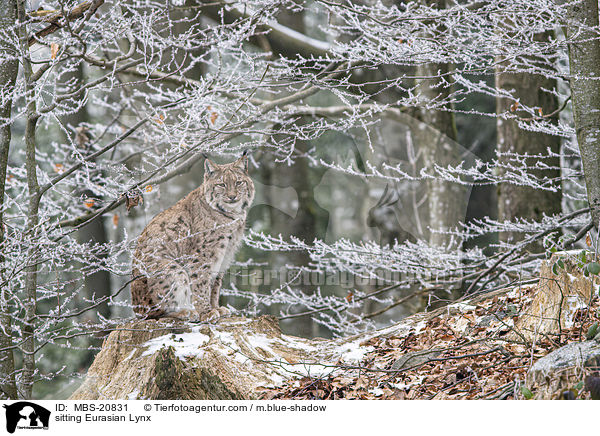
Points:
(405, 154)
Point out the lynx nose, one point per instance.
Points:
(231, 198)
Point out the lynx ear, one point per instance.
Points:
(209, 167)
(242, 162)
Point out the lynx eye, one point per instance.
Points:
(239, 183)
(220, 185)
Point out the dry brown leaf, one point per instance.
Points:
(290, 360)
(54, 50)
(133, 201)
(361, 383)
(115, 220)
(81, 135)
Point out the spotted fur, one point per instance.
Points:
(183, 252)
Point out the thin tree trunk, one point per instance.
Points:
(516, 201)
(8, 76)
(305, 225)
(443, 211)
(98, 283)
(31, 271)
(584, 61)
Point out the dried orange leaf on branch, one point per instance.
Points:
(54, 50)
(132, 200)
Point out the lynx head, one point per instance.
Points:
(228, 188)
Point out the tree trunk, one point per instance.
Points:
(443, 211)
(584, 61)
(8, 76)
(515, 201)
(31, 270)
(305, 225)
(98, 283)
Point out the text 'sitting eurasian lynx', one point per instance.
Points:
(184, 250)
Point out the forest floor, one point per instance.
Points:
(468, 350)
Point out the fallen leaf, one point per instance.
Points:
(148, 188)
(361, 383)
(290, 360)
(588, 240)
(213, 117)
(514, 106)
(59, 168)
(115, 220)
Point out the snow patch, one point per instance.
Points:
(352, 351)
(462, 307)
(572, 303)
(298, 344)
(378, 392)
(517, 291)
(420, 326)
(185, 344)
(130, 355)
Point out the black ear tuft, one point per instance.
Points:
(242, 162)
(209, 167)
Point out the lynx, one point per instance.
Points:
(183, 252)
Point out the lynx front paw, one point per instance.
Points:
(184, 315)
(214, 314)
(224, 311)
(209, 316)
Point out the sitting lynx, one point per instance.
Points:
(183, 252)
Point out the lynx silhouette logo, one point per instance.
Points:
(26, 415)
